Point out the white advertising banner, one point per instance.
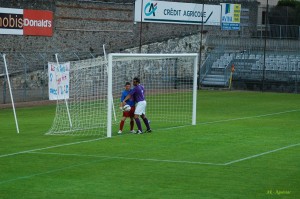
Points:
(58, 80)
(231, 14)
(174, 12)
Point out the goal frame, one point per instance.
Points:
(111, 57)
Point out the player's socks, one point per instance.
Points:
(138, 123)
(131, 125)
(122, 125)
(146, 123)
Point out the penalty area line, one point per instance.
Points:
(74, 143)
(104, 158)
(261, 154)
(44, 173)
(249, 117)
(51, 147)
(129, 158)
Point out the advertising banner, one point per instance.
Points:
(26, 22)
(59, 80)
(174, 12)
(230, 16)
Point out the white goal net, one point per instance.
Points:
(96, 86)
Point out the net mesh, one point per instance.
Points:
(168, 82)
(87, 102)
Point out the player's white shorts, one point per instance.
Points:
(140, 108)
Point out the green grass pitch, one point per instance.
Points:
(245, 145)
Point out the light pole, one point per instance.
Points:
(243, 53)
(200, 48)
(4, 86)
(265, 46)
(141, 27)
(296, 77)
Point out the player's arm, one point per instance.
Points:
(129, 96)
(121, 104)
(125, 99)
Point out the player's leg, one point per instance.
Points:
(122, 122)
(132, 119)
(138, 123)
(138, 111)
(143, 116)
(146, 121)
(132, 125)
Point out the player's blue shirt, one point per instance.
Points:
(130, 101)
(138, 93)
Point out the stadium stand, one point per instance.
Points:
(250, 66)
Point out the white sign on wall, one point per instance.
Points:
(174, 12)
(58, 80)
(231, 14)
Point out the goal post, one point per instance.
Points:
(10, 92)
(170, 82)
(141, 57)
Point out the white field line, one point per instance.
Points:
(175, 161)
(51, 147)
(250, 117)
(92, 140)
(95, 161)
(261, 154)
(72, 143)
(129, 158)
(235, 119)
(174, 127)
(44, 173)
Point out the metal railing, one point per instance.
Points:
(278, 31)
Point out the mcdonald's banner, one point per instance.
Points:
(26, 22)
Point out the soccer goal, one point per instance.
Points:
(170, 81)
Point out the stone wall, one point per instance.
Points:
(82, 26)
(188, 44)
